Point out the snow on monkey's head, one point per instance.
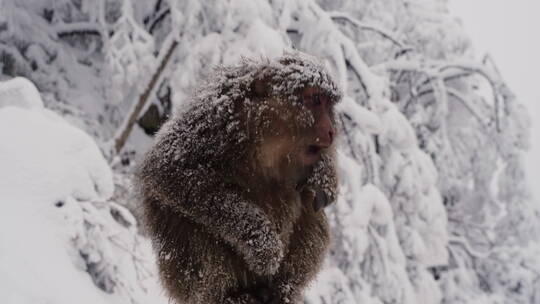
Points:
(274, 116)
(289, 114)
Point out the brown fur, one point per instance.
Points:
(197, 267)
(238, 227)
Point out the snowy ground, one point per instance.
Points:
(35, 263)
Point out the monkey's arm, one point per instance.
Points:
(258, 295)
(229, 216)
(222, 209)
(310, 238)
(309, 243)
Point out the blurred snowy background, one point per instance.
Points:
(434, 204)
(507, 32)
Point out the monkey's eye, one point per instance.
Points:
(313, 100)
(316, 99)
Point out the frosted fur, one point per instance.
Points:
(187, 185)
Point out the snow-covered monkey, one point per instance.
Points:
(234, 186)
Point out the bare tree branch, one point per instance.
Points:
(129, 122)
(157, 19)
(85, 28)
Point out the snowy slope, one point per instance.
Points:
(51, 175)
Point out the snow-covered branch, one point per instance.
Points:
(493, 80)
(76, 28)
(468, 248)
(443, 68)
(16, 58)
(157, 19)
(340, 16)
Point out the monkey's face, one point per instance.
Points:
(318, 136)
(294, 136)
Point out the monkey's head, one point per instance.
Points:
(270, 119)
(290, 117)
(288, 138)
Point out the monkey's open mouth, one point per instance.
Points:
(314, 150)
(311, 155)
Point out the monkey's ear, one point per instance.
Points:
(260, 88)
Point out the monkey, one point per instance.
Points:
(234, 187)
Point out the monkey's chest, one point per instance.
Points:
(248, 280)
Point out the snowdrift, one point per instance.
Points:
(57, 226)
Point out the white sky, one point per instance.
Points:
(509, 30)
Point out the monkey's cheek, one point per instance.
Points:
(308, 159)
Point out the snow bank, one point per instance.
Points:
(19, 92)
(50, 174)
(43, 157)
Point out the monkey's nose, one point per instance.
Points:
(325, 141)
(325, 131)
